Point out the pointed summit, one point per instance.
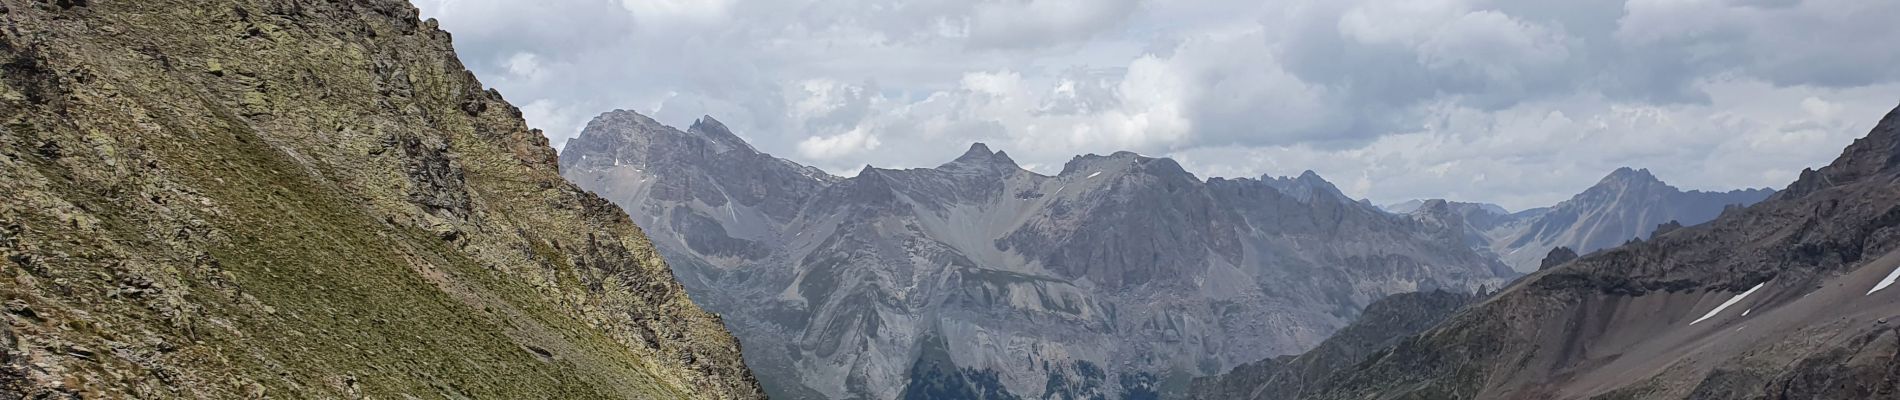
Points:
(977, 151)
(706, 122)
(1307, 187)
(979, 154)
(1631, 175)
(716, 131)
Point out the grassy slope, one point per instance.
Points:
(235, 198)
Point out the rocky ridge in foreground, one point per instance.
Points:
(256, 198)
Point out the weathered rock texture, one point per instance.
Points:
(260, 198)
(1121, 277)
(1787, 299)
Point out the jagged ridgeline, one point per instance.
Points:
(1120, 277)
(1786, 299)
(229, 199)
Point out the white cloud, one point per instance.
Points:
(525, 66)
(1036, 23)
(1515, 101)
(667, 13)
(844, 144)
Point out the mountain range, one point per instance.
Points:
(1786, 299)
(1122, 276)
(1629, 204)
(258, 199)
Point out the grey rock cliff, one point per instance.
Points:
(1122, 276)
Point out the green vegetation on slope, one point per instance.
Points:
(225, 199)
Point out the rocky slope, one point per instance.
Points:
(256, 198)
(1381, 326)
(1789, 298)
(1628, 204)
(1121, 277)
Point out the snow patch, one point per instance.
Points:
(1731, 301)
(1095, 174)
(1884, 283)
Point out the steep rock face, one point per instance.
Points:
(1627, 204)
(1379, 327)
(1122, 276)
(246, 199)
(1789, 298)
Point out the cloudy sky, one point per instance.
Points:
(1517, 102)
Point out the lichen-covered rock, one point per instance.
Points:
(272, 198)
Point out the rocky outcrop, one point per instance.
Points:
(1789, 298)
(1120, 277)
(252, 199)
(1557, 256)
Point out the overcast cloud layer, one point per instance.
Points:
(1518, 102)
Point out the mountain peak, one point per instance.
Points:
(978, 149)
(1631, 175)
(716, 131)
(1306, 187)
(1629, 179)
(706, 123)
(634, 118)
(607, 136)
(980, 154)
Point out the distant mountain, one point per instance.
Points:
(1120, 277)
(1409, 206)
(1787, 299)
(1307, 187)
(1626, 205)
